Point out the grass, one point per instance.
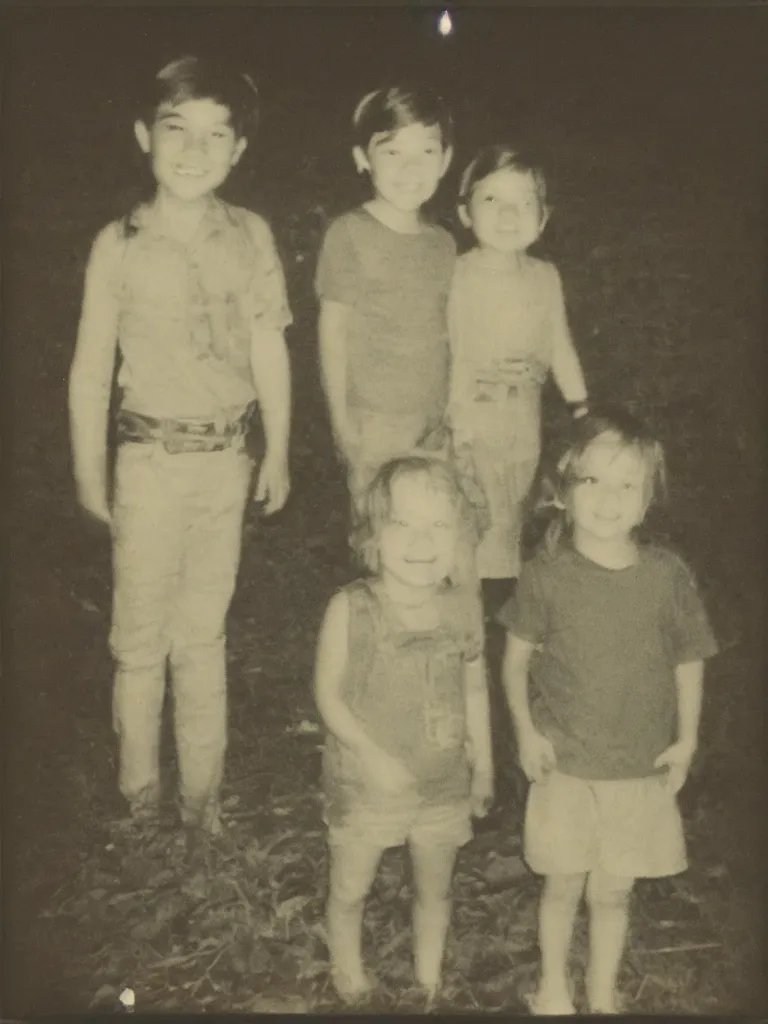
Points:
(666, 321)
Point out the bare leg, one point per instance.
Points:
(557, 912)
(608, 898)
(432, 871)
(353, 869)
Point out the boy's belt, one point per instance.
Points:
(179, 436)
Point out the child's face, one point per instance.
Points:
(505, 212)
(406, 165)
(417, 547)
(609, 496)
(192, 147)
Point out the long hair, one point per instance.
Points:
(561, 470)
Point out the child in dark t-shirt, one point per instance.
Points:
(383, 277)
(613, 636)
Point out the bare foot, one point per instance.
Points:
(550, 1004)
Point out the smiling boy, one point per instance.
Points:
(189, 291)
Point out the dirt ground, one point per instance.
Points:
(656, 232)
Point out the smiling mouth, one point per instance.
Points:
(189, 172)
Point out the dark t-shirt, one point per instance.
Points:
(397, 287)
(603, 686)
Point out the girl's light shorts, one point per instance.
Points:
(408, 821)
(627, 827)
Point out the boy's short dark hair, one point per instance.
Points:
(503, 157)
(388, 110)
(197, 78)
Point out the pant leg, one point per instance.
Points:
(147, 549)
(218, 488)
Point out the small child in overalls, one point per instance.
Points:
(190, 291)
(401, 687)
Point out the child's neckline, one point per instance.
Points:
(422, 226)
(405, 612)
(489, 262)
(607, 568)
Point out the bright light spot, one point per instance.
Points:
(127, 998)
(445, 25)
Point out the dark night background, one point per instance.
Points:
(651, 122)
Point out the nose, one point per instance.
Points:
(196, 142)
(509, 215)
(421, 543)
(609, 499)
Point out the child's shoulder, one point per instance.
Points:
(255, 224)
(665, 559)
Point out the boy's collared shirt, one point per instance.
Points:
(188, 310)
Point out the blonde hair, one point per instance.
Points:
(559, 478)
(377, 510)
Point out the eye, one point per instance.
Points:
(587, 480)
(441, 524)
(489, 199)
(173, 127)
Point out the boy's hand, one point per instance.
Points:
(386, 772)
(537, 755)
(274, 483)
(677, 759)
(481, 792)
(93, 500)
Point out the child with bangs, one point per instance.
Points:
(382, 279)
(612, 635)
(400, 685)
(508, 331)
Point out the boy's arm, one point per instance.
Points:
(332, 328)
(272, 376)
(91, 374)
(566, 365)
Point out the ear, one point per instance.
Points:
(464, 217)
(240, 147)
(447, 157)
(141, 132)
(361, 160)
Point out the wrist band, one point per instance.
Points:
(578, 409)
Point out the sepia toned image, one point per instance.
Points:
(384, 407)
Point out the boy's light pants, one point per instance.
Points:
(177, 531)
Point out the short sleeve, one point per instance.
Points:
(692, 636)
(268, 297)
(525, 614)
(337, 276)
(102, 272)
